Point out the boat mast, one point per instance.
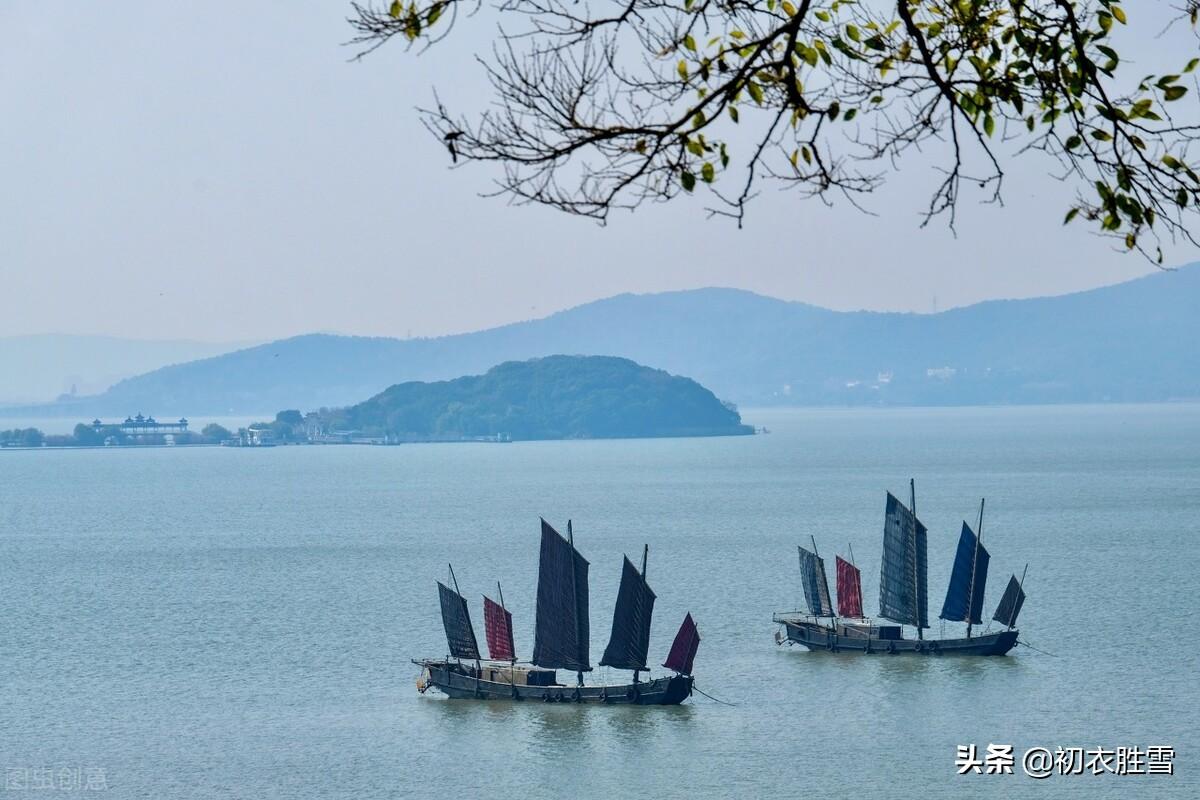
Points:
(645, 553)
(513, 653)
(1020, 588)
(850, 547)
(912, 499)
(574, 597)
(974, 559)
(454, 580)
(813, 539)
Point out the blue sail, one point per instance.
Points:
(1010, 603)
(816, 585)
(456, 619)
(561, 631)
(903, 587)
(964, 590)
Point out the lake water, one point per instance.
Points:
(220, 622)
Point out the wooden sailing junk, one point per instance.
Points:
(561, 640)
(903, 597)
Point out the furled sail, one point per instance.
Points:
(497, 624)
(1010, 603)
(683, 649)
(561, 637)
(456, 619)
(964, 589)
(903, 579)
(630, 640)
(816, 586)
(849, 589)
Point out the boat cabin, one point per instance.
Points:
(864, 631)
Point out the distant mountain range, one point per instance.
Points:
(1135, 341)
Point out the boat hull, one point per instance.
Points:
(459, 682)
(819, 637)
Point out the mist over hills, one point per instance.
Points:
(1135, 341)
(39, 367)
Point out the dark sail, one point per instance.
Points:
(561, 636)
(849, 589)
(683, 649)
(497, 625)
(816, 586)
(457, 622)
(1010, 603)
(903, 587)
(630, 640)
(962, 589)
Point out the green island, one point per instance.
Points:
(556, 397)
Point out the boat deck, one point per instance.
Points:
(463, 681)
(851, 639)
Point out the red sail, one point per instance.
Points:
(683, 649)
(849, 590)
(497, 623)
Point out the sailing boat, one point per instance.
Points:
(561, 640)
(903, 591)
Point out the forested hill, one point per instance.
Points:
(1135, 341)
(557, 397)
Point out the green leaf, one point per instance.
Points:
(853, 33)
(756, 92)
(989, 124)
(1191, 65)
(435, 13)
(1118, 12)
(849, 115)
(1073, 142)
(396, 10)
(681, 68)
(1174, 92)
(689, 43)
(688, 180)
(707, 173)
(823, 16)
(1071, 215)
(733, 113)
(789, 9)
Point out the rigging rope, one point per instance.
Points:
(1034, 649)
(710, 697)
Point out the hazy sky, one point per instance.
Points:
(220, 171)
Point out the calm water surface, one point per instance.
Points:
(216, 622)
